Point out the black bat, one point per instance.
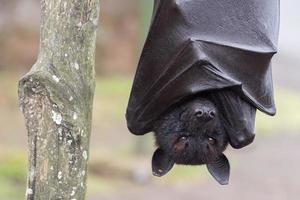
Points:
(197, 130)
(191, 134)
(216, 46)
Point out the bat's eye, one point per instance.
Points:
(183, 138)
(211, 141)
(199, 113)
(181, 144)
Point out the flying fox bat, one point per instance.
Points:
(223, 47)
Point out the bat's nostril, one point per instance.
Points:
(199, 114)
(211, 114)
(205, 115)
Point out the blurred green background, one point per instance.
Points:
(120, 162)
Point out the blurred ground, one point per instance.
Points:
(120, 162)
(266, 170)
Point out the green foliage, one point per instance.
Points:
(113, 86)
(13, 169)
(181, 173)
(12, 177)
(145, 18)
(111, 97)
(11, 191)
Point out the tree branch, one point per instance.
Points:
(56, 98)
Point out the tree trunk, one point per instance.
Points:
(56, 98)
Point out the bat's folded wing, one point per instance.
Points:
(196, 46)
(200, 66)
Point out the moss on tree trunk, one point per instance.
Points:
(56, 98)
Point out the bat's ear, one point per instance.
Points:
(161, 163)
(220, 169)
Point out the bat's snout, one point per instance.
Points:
(205, 115)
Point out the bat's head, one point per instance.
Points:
(190, 134)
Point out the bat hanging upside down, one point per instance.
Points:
(204, 71)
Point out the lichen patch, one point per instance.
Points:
(29, 191)
(59, 175)
(84, 154)
(75, 116)
(55, 78)
(56, 117)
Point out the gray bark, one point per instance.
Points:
(56, 98)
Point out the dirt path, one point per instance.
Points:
(268, 170)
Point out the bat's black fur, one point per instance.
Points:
(197, 131)
(191, 133)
